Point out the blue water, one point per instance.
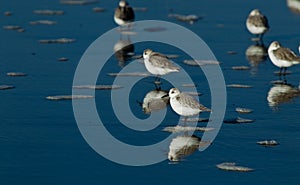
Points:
(40, 141)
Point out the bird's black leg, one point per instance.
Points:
(261, 36)
(185, 120)
(262, 39)
(284, 71)
(280, 71)
(129, 26)
(284, 80)
(158, 78)
(157, 83)
(157, 87)
(280, 78)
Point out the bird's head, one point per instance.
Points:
(123, 3)
(173, 92)
(147, 53)
(255, 12)
(274, 45)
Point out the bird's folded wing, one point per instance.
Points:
(259, 21)
(162, 61)
(286, 54)
(188, 101)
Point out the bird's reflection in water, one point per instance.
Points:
(282, 93)
(155, 100)
(182, 146)
(124, 50)
(256, 54)
(294, 6)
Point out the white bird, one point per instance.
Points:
(184, 104)
(124, 14)
(158, 64)
(282, 57)
(257, 23)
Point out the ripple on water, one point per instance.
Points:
(98, 87)
(268, 143)
(78, 2)
(48, 12)
(6, 87)
(68, 97)
(230, 166)
(201, 62)
(16, 74)
(238, 120)
(243, 110)
(178, 128)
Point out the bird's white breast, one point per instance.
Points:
(182, 110)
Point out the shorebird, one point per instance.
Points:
(282, 57)
(124, 14)
(257, 23)
(184, 104)
(158, 64)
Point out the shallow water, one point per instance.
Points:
(40, 141)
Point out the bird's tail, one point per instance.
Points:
(175, 69)
(296, 62)
(205, 109)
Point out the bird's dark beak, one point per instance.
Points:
(140, 103)
(165, 96)
(137, 57)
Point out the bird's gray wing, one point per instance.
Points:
(130, 14)
(160, 60)
(286, 54)
(188, 101)
(259, 21)
(126, 14)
